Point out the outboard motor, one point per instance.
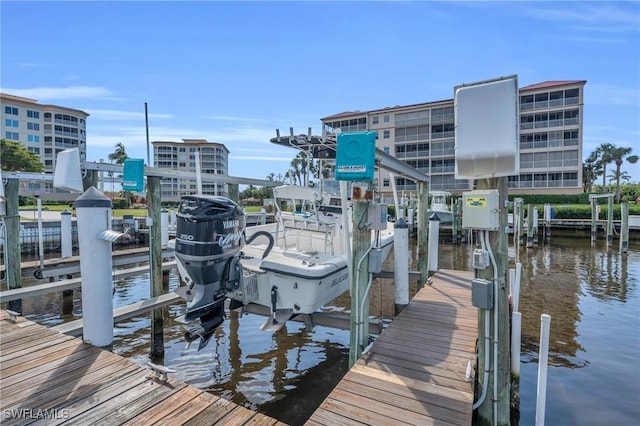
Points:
(209, 236)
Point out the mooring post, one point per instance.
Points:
(547, 222)
(66, 234)
(164, 227)
(543, 360)
(520, 204)
(455, 224)
(400, 265)
(624, 227)
(12, 223)
(93, 209)
(360, 267)
(594, 220)
(434, 239)
(530, 225)
(40, 234)
(610, 220)
(155, 265)
(535, 226)
(422, 238)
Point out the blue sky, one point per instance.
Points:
(233, 72)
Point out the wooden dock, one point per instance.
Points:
(50, 378)
(415, 372)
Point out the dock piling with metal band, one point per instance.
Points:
(610, 220)
(155, 265)
(401, 265)
(594, 219)
(530, 225)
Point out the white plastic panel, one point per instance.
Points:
(486, 129)
(68, 175)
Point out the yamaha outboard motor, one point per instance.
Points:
(209, 236)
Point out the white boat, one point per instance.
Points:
(440, 206)
(294, 266)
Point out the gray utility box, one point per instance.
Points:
(482, 293)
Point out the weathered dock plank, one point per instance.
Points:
(48, 378)
(415, 371)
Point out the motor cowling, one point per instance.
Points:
(209, 234)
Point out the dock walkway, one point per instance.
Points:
(415, 372)
(49, 378)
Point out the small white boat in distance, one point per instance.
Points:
(440, 206)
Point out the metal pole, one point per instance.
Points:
(164, 227)
(146, 126)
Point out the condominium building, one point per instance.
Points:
(43, 129)
(214, 159)
(423, 136)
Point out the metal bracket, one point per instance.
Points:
(160, 371)
(13, 315)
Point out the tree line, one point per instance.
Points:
(596, 165)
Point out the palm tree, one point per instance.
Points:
(591, 169)
(618, 155)
(605, 152)
(119, 155)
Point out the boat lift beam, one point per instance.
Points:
(398, 167)
(148, 171)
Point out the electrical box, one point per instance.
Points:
(482, 293)
(375, 261)
(133, 174)
(355, 156)
(377, 215)
(480, 259)
(481, 210)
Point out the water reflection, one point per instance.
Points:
(590, 292)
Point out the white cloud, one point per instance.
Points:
(594, 12)
(69, 92)
(608, 94)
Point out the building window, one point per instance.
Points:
(386, 149)
(386, 134)
(33, 138)
(33, 126)
(12, 136)
(11, 110)
(375, 119)
(11, 123)
(386, 118)
(385, 182)
(34, 150)
(33, 114)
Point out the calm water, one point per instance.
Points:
(591, 293)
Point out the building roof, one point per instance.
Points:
(552, 83)
(543, 85)
(9, 98)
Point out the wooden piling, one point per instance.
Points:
(155, 265)
(530, 226)
(422, 238)
(624, 228)
(455, 223)
(360, 268)
(12, 224)
(594, 220)
(610, 220)
(499, 242)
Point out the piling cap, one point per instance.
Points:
(92, 197)
(66, 212)
(400, 223)
(434, 216)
